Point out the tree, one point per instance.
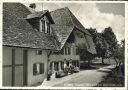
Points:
(110, 38)
(100, 42)
(85, 55)
(119, 54)
(117, 50)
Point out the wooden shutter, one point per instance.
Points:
(34, 69)
(41, 68)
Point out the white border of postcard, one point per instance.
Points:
(85, 88)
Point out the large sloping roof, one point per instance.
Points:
(18, 32)
(65, 17)
(65, 22)
(40, 14)
(36, 14)
(62, 32)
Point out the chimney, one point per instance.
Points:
(33, 6)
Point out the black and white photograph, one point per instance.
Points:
(63, 44)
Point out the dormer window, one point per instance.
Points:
(41, 21)
(44, 26)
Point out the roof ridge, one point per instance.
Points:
(58, 9)
(58, 25)
(17, 32)
(72, 15)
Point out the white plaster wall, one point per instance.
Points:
(62, 57)
(34, 58)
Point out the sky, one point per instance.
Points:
(95, 15)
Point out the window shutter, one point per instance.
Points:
(34, 69)
(65, 51)
(41, 68)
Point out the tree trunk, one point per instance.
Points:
(102, 61)
(116, 62)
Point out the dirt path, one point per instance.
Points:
(82, 79)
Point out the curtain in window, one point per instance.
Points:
(38, 68)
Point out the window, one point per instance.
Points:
(67, 50)
(48, 28)
(39, 52)
(44, 26)
(38, 68)
(56, 66)
(50, 66)
(73, 50)
(62, 51)
(62, 65)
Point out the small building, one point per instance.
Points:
(73, 38)
(27, 43)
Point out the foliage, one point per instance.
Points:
(107, 45)
(117, 50)
(119, 53)
(110, 38)
(101, 44)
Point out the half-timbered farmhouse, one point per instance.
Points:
(27, 41)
